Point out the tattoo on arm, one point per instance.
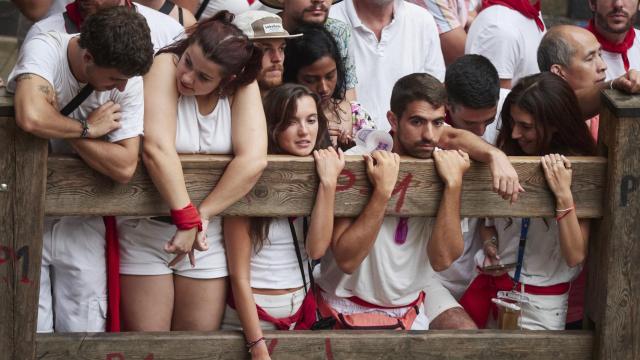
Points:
(24, 77)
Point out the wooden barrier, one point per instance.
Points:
(287, 188)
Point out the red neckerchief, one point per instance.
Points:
(524, 7)
(74, 12)
(251, 2)
(615, 48)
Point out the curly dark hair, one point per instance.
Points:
(226, 45)
(118, 38)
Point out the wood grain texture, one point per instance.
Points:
(309, 345)
(30, 186)
(617, 284)
(288, 186)
(6, 102)
(7, 176)
(621, 104)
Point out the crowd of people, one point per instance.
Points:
(448, 80)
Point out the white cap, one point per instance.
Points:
(258, 24)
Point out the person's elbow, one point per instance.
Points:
(27, 120)
(443, 260)
(124, 174)
(574, 260)
(315, 253)
(254, 166)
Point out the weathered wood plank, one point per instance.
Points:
(7, 177)
(30, 186)
(309, 345)
(617, 312)
(6, 102)
(288, 187)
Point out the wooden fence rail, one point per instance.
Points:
(605, 189)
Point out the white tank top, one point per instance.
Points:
(543, 263)
(203, 134)
(276, 265)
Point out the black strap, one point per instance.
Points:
(524, 229)
(201, 9)
(299, 254)
(69, 25)
(180, 17)
(166, 7)
(77, 100)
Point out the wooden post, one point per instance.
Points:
(615, 270)
(23, 163)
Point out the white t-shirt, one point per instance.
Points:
(46, 55)
(409, 44)
(458, 276)
(276, 266)
(236, 7)
(508, 39)
(615, 65)
(392, 274)
(203, 134)
(543, 263)
(164, 29)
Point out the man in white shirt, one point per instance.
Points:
(164, 29)
(508, 33)
(265, 30)
(390, 39)
(112, 51)
(381, 264)
(612, 24)
(474, 100)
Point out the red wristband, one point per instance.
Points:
(186, 218)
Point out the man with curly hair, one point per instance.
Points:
(103, 129)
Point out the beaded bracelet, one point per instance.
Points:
(565, 212)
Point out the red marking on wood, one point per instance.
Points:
(351, 180)
(327, 349)
(6, 253)
(25, 280)
(272, 346)
(401, 189)
(248, 198)
(113, 356)
(149, 357)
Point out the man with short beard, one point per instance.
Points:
(296, 13)
(267, 33)
(612, 24)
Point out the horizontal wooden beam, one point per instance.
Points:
(288, 186)
(484, 344)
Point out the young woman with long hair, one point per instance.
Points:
(268, 257)
(200, 98)
(540, 117)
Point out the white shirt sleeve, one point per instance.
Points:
(37, 56)
(498, 44)
(132, 105)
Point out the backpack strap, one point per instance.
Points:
(201, 9)
(180, 16)
(77, 100)
(166, 7)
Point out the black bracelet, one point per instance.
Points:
(251, 344)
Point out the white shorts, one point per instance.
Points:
(73, 278)
(278, 306)
(142, 250)
(438, 298)
(347, 307)
(545, 312)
